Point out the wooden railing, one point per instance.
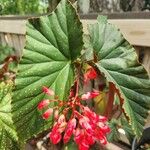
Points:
(136, 31)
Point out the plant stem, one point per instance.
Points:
(109, 106)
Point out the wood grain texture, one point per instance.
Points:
(146, 59)
(3, 39)
(9, 39)
(136, 31)
(13, 26)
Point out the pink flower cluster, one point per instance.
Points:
(83, 124)
(85, 131)
(92, 128)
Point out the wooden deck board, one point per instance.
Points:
(136, 31)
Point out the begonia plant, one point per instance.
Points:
(71, 85)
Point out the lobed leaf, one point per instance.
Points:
(117, 59)
(53, 43)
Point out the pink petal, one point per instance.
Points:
(62, 127)
(90, 95)
(55, 137)
(72, 123)
(103, 141)
(48, 113)
(67, 135)
(61, 119)
(102, 118)
(48, 91)
(86, 96)
(90, 114)
(69, 131)
(55, 127)
(78, 135)
(90, 74)
(104, 128)
(56, 114)
(83, 145)
(101, 137)
(43, 104)
(94, 94)
(89, 138)
(86, 125)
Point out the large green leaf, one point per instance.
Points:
(117, 59)
(8, 136)
(53, 43)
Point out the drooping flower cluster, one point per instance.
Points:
(92, 128)
(83, 124)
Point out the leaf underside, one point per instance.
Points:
(8, 136)
(117, 59)
(53, 42)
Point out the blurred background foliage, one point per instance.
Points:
(26, 7)
(22, 7)
(119, 5)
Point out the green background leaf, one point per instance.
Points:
(5, 51)
(114, 134)
(117, 59)
(53, 43)
(8, 135)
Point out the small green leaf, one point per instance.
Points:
(117, 59)
(53, 43)
(8, 136)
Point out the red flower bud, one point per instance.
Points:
(72, 123)
(62, 127)
(69, 130)
(90, 95)
(48, 113)
(43, 104)
(72, 94)
(83, 145)
(102, 118)
(94, 94)
(85, 124)
(90, 74)
(56, 113)
(61, 119)
(78, 135)
(90, 114)
(100, 136)
(90, 140)
(55, 137)
(48, 91)
(86, 96)
(67, 135)
(104, 128)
